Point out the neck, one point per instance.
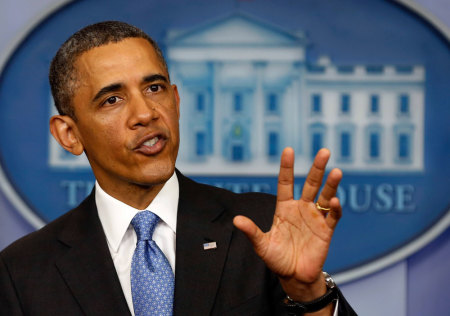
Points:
(134, 195)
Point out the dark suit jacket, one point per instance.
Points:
(66, 268)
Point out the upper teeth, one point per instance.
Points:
(152, 141)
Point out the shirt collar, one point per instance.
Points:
(116, 216)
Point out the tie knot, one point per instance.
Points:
(144, 224)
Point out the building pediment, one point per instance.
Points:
(237, 29)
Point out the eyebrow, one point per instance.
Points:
(155, 77)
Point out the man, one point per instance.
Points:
(116, 104)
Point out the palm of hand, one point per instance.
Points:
(297, 244)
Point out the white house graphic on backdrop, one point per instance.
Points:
(247, 91)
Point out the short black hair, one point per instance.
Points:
(63, 76)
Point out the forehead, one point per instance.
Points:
(118, 62)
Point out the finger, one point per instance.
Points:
(330, 188)
(335, 213)
(285, 190)
(314, 179)
(253, 233)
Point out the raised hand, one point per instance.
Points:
(297, 244)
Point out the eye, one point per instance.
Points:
(112, 100)
(154, 88)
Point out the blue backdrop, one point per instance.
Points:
(386, 34)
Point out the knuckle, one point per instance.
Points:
(313, 181)
(283, 181)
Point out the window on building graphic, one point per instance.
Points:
(200, 141)
(317, 138)
(373, 142)
(316, 143)
(346, 145)
(237, 153)
(404, 143)
(345, 69)
(374, 70)
(404, 104)
(272, 103)
(374, 145)
(374, 104)
(273, 144)
(345, 103)
(315, 69)
(404, 70)
(237, 104)
(345, 138)
(404, 146)
(316, 104)
(200, 102)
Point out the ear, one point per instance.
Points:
(64, 130)
(177, 99)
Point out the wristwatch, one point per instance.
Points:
(299, 308)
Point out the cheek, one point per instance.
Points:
(103, 139)
(174, 126)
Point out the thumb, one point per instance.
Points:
(253, 233)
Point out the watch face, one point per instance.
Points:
(329, 280)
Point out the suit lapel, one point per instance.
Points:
(87, 267)
(201, 219)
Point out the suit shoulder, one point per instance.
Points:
(260, 207)
(257, 199)
(33, 243)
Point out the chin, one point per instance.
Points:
(158, 174)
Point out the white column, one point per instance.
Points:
(218, 113)
(298, 113)
(289, 118)
(185, 135)
(258, 135)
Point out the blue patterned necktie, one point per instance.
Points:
(152, 280)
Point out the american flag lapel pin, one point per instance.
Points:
(209, 245)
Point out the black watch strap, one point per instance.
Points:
(299, 308)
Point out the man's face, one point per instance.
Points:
(127, 115)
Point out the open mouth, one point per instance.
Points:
(151, 142)
(153, 145)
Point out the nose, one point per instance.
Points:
(142, 111)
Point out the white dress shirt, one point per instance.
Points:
(116, 217)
